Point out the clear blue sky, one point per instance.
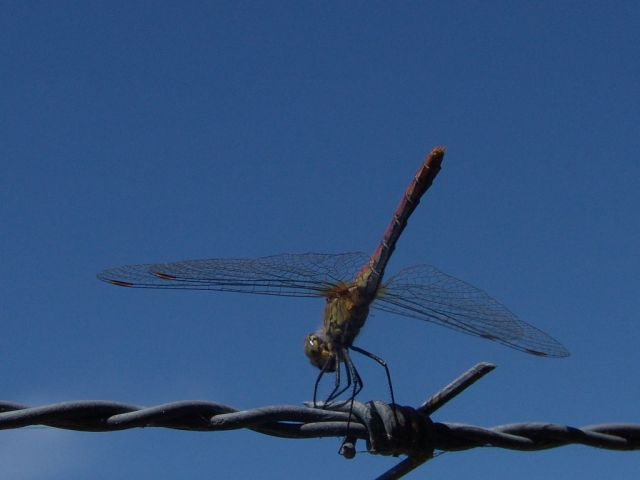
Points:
(137, 132)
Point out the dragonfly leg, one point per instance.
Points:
(315, 388)
(353, 374)
(324, 370)
(353, 379)
(347, 447)
(383, 364)
(337, 391)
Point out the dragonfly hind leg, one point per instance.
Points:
(380, 362)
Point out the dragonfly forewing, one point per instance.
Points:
(295, 275)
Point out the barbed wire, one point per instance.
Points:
(387, 429)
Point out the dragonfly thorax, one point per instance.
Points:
(344, 315)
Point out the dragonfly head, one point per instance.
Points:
(319, 353)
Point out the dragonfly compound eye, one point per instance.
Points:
(317, 351)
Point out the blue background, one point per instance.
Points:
(136, 132)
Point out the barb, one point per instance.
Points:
(387, 429)
(456, 387)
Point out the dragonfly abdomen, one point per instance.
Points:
(423, 179)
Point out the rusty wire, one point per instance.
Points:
(387, 430)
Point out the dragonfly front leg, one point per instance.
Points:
(324, 370)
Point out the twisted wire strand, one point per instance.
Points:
(291, 421)
(387, 429)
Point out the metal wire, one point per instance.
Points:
(387, 429)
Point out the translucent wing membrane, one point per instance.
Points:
(425, 293)
(295, 275)
(421, 292)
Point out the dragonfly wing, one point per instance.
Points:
(426, 293)
(296, 275)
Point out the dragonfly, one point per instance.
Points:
(351, 284)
